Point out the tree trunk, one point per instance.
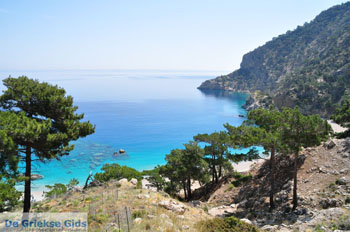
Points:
(295, 196)
(28, 176)
(213, 168)
(87, 181)
(220, 171)
(272, 179)
(216, 176)
(184, 187)
(189, 192)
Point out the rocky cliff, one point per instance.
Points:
(308, 67)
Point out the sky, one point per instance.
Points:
(143, 34)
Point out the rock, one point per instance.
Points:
(330, 144)
(76, 189)
(185, 227)
(133, 181)
(346, 155)
(243, 203)
(322, 170)
(121, 151)
(269, 227)
(150, 216)
(330, 203)
(173, 206)
(341, 181)
(335, 172)
(195, 203)
(246, 221)
(95, 183)
(123, 181)
(36, 177)
(137, 220)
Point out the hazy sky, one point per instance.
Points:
(143, 34)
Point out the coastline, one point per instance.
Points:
(245, 166)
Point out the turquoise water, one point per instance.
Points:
(146, 113)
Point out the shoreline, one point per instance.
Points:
(244, 166)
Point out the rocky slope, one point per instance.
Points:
(308, 67)
(109, 204)
(323, 188)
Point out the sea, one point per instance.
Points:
(145, 112)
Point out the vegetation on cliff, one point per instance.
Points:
(308, 67)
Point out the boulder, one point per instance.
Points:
(329, 144)
(341, 181)
(133, 181)
(173, 206)
(123, 181)
(246, 221)
(269, 227)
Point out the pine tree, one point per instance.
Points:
(269, 120)
(216, 153)
(185, 165)
(300, 131)
(42, 121)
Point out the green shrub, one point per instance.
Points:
(115, 171)
(9, 196)
(240, 179)
(225, 225)
(347, 200)
(138, 214)
(55, 190)
(332, 186)
(73, 182)
(344, 222)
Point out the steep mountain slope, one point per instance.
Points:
(308, 67)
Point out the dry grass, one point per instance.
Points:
(104, 203)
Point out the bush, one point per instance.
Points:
(240, 179)
(344, 222)
(9, 196)
(55, 190)
(225, 225)
(72, 183)
(347, 200)
(138, 214)
(115, 171)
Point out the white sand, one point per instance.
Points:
(336, 127)
(245, 166)
(38, 195)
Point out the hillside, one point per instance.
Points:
(324, 196)
(308, 67)
(324, 192)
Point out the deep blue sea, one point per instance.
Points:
(146, 113)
